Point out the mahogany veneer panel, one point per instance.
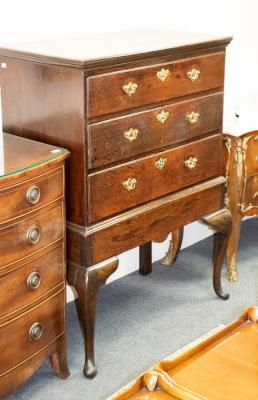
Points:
(50, 224)
(13, 201)
(16, 345)
(14, 283)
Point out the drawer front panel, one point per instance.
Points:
(30, 195)
(131, 184)
(126, 137)
(29, 282)
(250, 147)
(21, 337)
(119, 91)
(26, 237)
(249, 204)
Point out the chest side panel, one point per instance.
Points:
(46, 103)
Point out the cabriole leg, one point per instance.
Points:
(87, 281)
(221, 221)
(174, 247)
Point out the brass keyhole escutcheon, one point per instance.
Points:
(191, 162)
(160, 164)
(193, 74)
(131, 135)
(162, 116)
(130, 184)
(130, 88)
(163, 74)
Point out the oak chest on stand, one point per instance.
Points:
(141, 113)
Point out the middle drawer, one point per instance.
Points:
(30, 235)
(125, 137)
(119, 188)
(29, 282)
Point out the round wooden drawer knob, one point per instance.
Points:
(33, 235)
(33, 194)
(33, 281)
(35, 332)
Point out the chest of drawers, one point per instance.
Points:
(32, 260)
(141, 113)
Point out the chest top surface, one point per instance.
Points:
(82, 51)
(19, 154)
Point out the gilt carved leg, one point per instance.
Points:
(221, 221)
(232, 250)
(87, 281)
(58, 361)
(174, 247)
(145, 263)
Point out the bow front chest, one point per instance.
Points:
(32, 260)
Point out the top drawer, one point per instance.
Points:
(119, 91)
(31, 194)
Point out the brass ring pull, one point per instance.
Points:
(160, 164)
(193, 74)
(191, 162)
(33, 235)
(33, 194)
(130, 184)
(162, 116)
(130, 88)
(131, 135)
(163, 74)
(192, 117)
(34, 280)
(35, 331)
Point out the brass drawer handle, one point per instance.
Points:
(130, 88)
(192, 117)
(33, 235)
(193, 75)
(162, 116)
(35, 331)
(34, 280)
(160, 164)
(130, 184)
(191, 162)
(131, 135)
(163, 74)
(33, 194)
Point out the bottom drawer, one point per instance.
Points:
(122, 187)
(23, 337)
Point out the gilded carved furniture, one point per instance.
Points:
(241, 197)
(32, 260)
(242, 188)
(143, 123)
(221, 365)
